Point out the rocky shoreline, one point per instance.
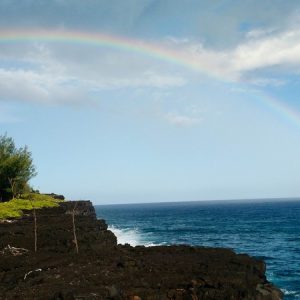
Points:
(105, 270)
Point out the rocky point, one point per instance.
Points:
(105, 270)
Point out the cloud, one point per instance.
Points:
(66, 74)
(181, 120)
(30, 86)
(48, 88)
(261, 82)
(281, 49)
(277, 50)
(145, 80)
(88, 14)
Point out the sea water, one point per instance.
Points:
(266, 229)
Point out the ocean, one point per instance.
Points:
(265, 229)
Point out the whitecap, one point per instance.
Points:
(288, 292)
(131, 236)
(126, 235)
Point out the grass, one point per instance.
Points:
(14, 208)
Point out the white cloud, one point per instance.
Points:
(261, 82)
(258, 33)
(181, 120)
(279, 50)
(56, 73)
(146, 79)
(19, 85)
(35, 86)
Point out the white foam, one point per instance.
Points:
(287, 292)
(130, 236)
(126, 236)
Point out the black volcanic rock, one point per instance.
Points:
(105, 270)
(56, 196)
(55, 229)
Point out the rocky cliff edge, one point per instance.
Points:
(105, 270)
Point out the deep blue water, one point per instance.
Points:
(269, 230)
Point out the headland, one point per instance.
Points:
(102, 269)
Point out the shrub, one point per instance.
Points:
(16, 169)
(14, 208)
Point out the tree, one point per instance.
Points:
(16, 169)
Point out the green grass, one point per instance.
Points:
(14, 208)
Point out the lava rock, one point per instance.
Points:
(105, 270)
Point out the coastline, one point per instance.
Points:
(105, 270)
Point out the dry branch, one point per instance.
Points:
(74, 229)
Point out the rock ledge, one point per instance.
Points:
(105, 270)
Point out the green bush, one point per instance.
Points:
(16, 169)
(14, 208)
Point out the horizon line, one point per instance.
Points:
(267, 199)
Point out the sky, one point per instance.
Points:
(154, 100)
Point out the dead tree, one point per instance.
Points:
(35, 230)
(35, 226)
(74, 228)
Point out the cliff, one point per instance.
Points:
(105, 270)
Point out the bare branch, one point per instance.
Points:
(74, 228)
(35, 226)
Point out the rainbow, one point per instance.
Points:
(103, 40)
(280, 108)
(155, 50)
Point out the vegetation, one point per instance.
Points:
(15, 207)
(16, 169)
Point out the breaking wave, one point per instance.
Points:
(130, 236)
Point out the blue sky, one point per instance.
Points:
(116, 126)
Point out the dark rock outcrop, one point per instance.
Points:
(105, 270)
(55, 229)
(56, 196)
